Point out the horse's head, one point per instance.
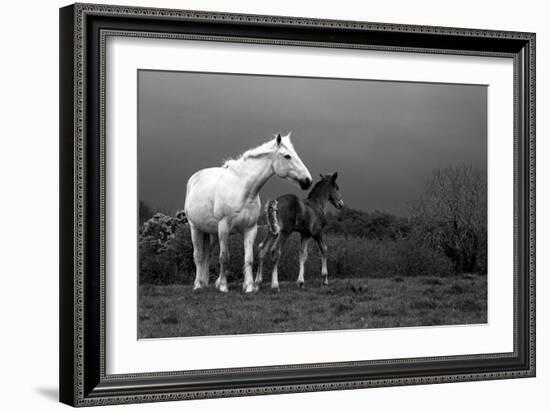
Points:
(288, 165)
(329, 181)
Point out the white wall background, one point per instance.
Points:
(29, 204)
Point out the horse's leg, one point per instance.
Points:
(249, 238)
(303, 258)
(323, 250)
(264, 248)
(279, 243)
(197, 237)
(223, 236)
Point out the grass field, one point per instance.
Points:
(177, 311)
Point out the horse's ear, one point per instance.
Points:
(334, 176)
(278, 138)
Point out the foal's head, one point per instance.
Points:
(328, 186)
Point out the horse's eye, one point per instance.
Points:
(287, 156)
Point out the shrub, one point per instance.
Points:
(348, 257)
(451, 216)
(165, 251)
(411, 258)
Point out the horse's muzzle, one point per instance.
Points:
(305, 183)
(340, 204)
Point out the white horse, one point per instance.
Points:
(222, 200)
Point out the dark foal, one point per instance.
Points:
(287, 214)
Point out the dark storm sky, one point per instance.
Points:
(382, 137)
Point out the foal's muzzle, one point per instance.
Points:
(305, 183)
(339, 204)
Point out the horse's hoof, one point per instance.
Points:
(325, 280)
(221, 286)
(300, 284)
(275, 289)
(250, 288)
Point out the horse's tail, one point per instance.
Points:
(272, 213)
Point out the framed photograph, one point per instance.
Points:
(262, 204)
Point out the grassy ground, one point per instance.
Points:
(177, 311)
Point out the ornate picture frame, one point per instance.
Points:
(84, 29)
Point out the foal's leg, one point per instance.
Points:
(197, 237)
(213, 243)
(279, 243)
(205, 263)
(323, 250)
(303, 258)
(223, 237)
(249, 238)
(264, 248)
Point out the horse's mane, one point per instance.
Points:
(255, 152)
(317, 187)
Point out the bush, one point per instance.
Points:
(451, 216)
(412, 258)
(348, 257)
(165, 251)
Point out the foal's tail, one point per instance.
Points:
(272, 213)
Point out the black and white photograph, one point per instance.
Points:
(287, 200)
(276, 204)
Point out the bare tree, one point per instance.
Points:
(451, 216)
